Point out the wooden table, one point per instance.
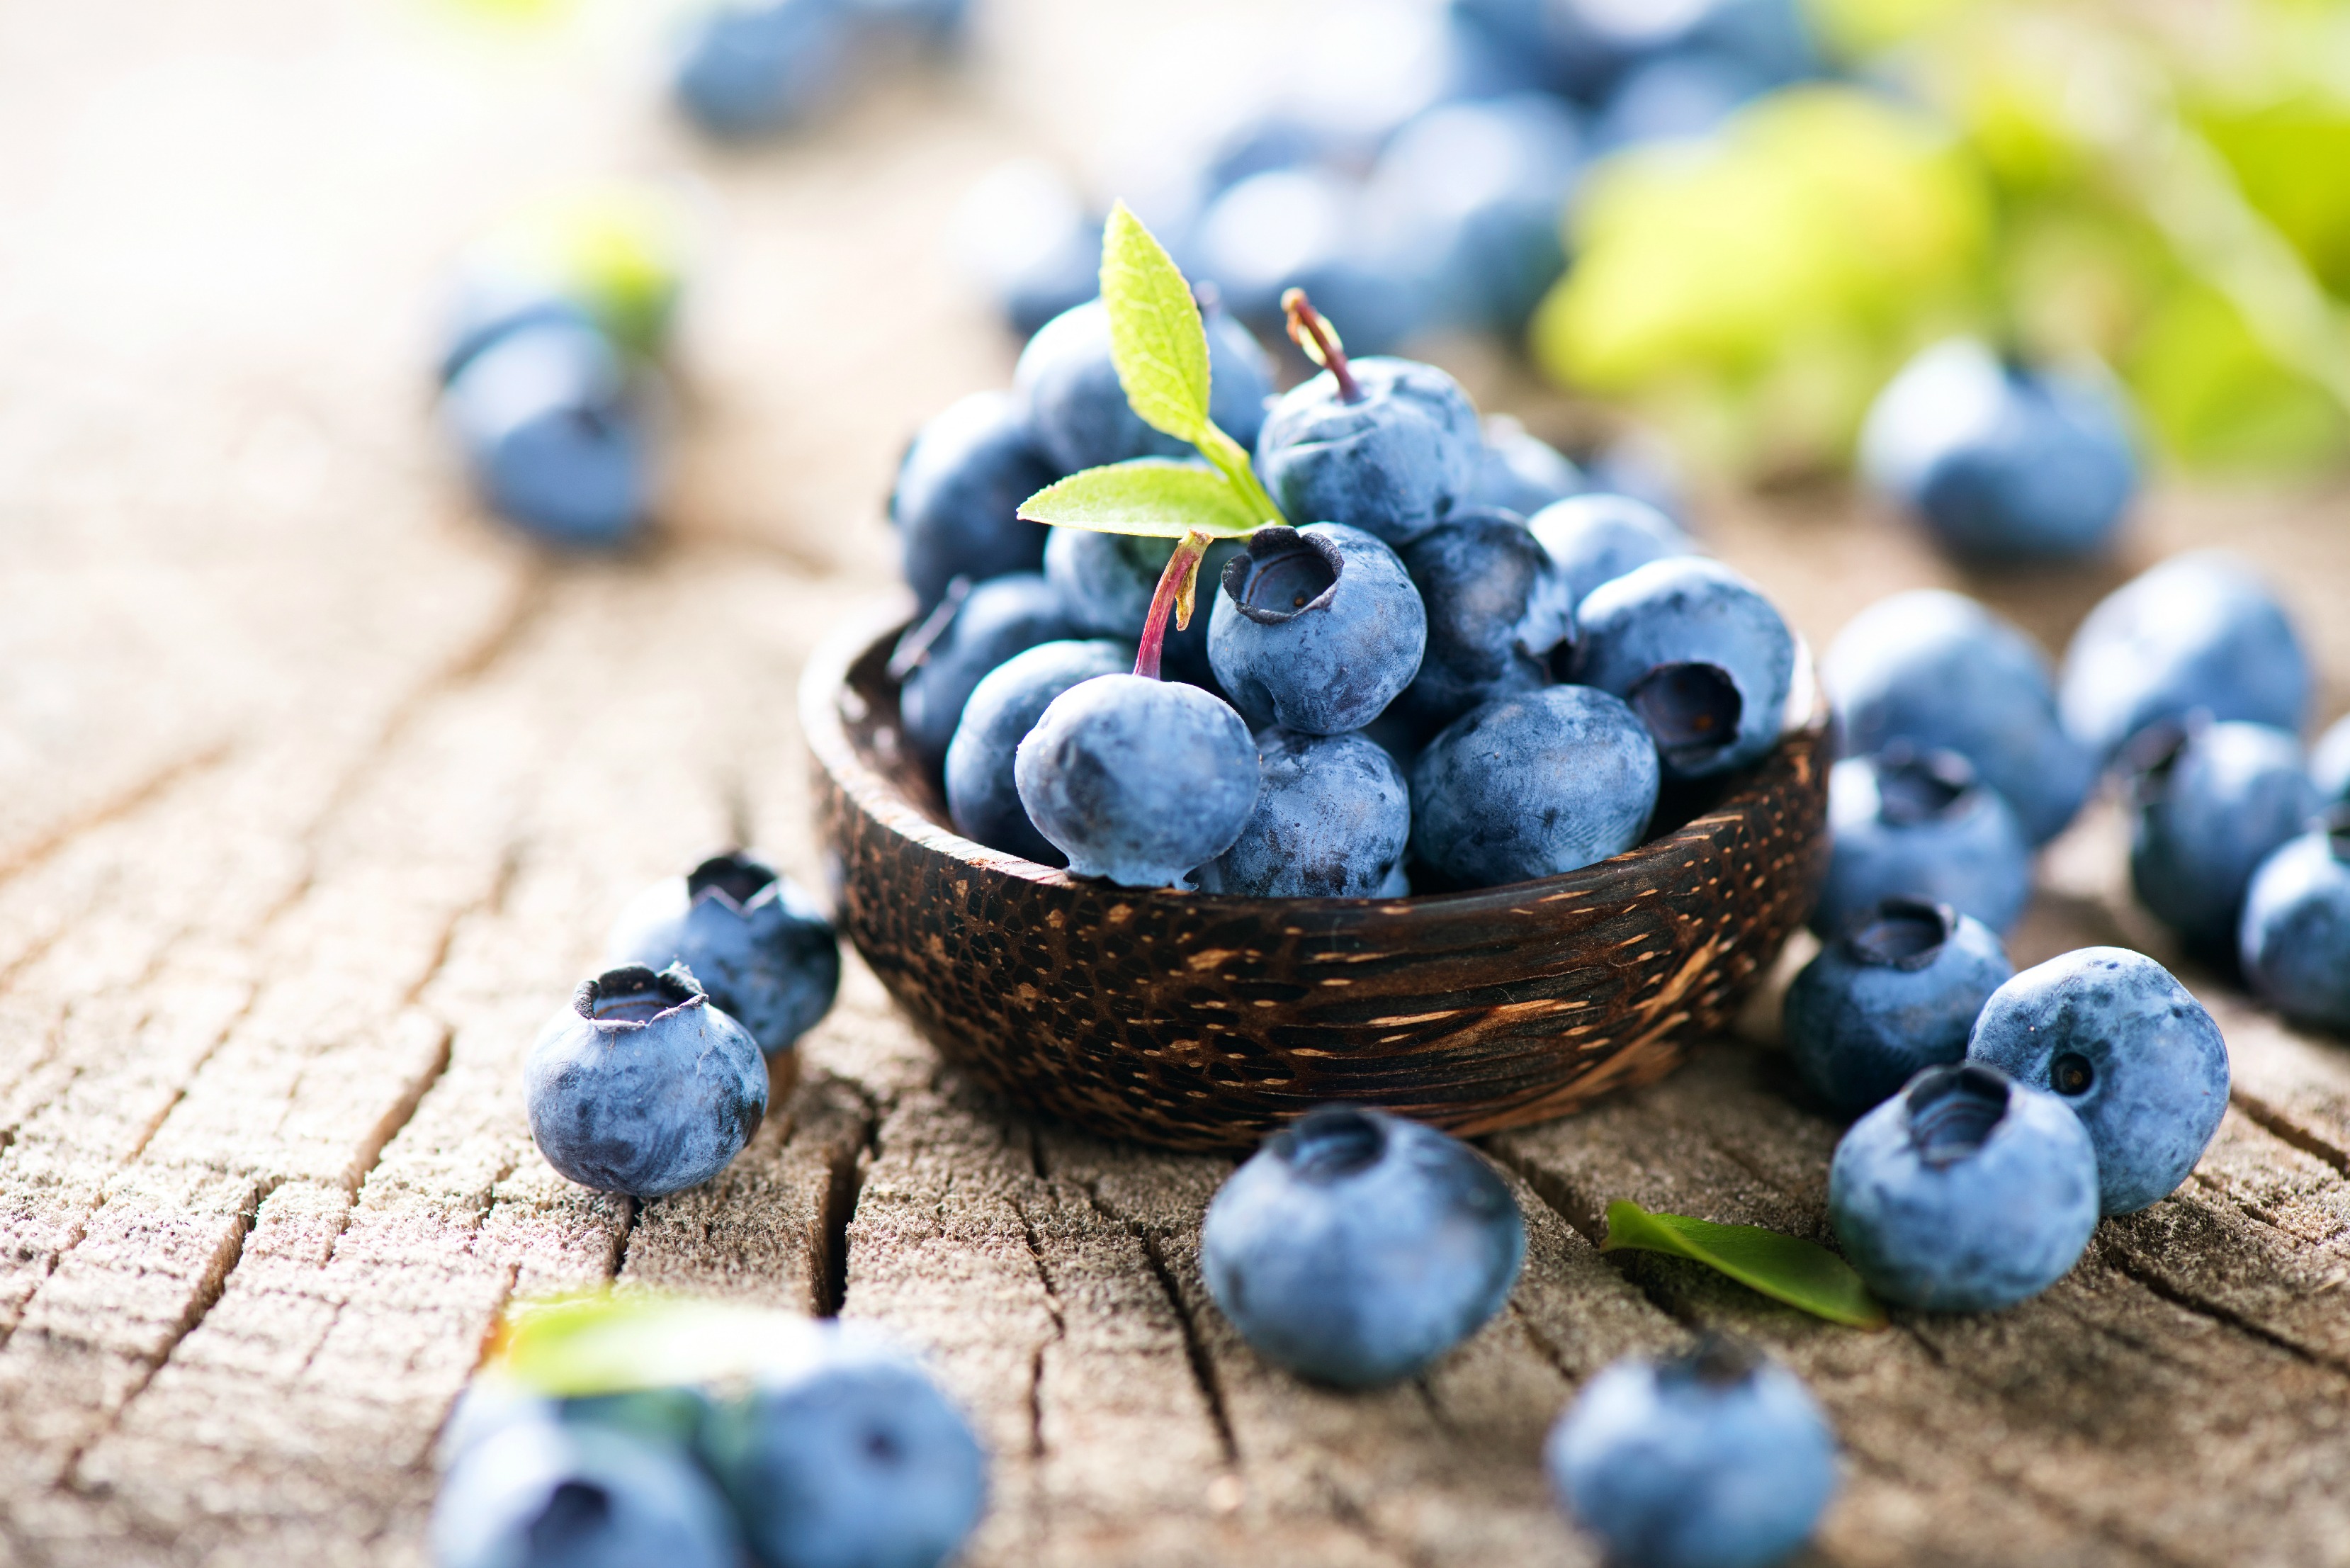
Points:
(316, 794)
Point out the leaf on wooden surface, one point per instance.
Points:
(1160, 497)
(1801, 1273)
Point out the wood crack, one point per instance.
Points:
(151, 788)
(2277, 1124)
(1195, 1346)
(2226, 1317)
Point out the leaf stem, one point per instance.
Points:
(1173, 597)
(1310, 332)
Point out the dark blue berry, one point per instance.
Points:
(1519, 473)
(746, 69)
(1908, 824)
(982, 795)
(1356, 1247)
(1391, 460)
(1599, 537)
(1964, 1192)
(997, 619)
(2110, 1034)
(543, 1493)
(1332, 821)
(1895, 993)
(1105, 582)
(554, 442)
(958, 497)
(2212, 802)
(759, 943)
(1316, 628)
(2294, 938)
(1530, 786)
(1498, 609)
(1699, 654)
(1069, 386)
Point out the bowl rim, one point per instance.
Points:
(825, 685)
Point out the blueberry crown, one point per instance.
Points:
(1953, 1110)
(1901, 933)
(1330, 1143)
(737, 876)
(633, 993)
(1915, 787)
(1692, 709)
(1281, 575)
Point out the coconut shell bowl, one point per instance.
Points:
(1202, 1023)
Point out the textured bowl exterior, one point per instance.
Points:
(1203, 1023)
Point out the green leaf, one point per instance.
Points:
(604, 1343)
(1157, 496)
(1156, 337)
(1784, 1268)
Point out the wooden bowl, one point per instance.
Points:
(1202, 1023)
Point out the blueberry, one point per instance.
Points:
(1303, 228)
(2329, 762)
(1498, 608)
(1999, 460)
(1391, 460)
(2294, 939)
(1917, 823)
(547, 1494)
(495, 1402)
(1717, 1458)
(2213, 802)
(544, 417)
(1964, 1192)
(2198, 631)
(957, 500)
(1468, 196)
(1138, 781)
(490, 302)
(982, 795)
(1316, 628)
(1699, 654)
(760, 945)
(1598, 538)
(1530, 786)
(1024, 233)
(1897, 992)
(998, 618)
(940, 24)
(746, 69)
(641, 1086)
(1069, 386)
(848, 1457)
(2116, 1038)
(1356, 1248)
(1332, 821)
(1519, 473)
(1936, 670)
(1105, 582)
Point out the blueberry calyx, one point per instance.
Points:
(1692, 710)
(1901, 933)
(1717, 1360)
(633, 995)
(1313, 333)
(1330, 1143)
(2072, 1075)
(1915, 787)
(1283, 574)
(1953, 1110)
(576, 1512)
(737, 877)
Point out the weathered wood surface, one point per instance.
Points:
(316, 795)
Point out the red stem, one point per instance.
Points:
(1183, 567)
(1306, 322)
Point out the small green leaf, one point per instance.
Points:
(603, 1342)
(1156, 337)
(1152, 495)
(1786, 1267)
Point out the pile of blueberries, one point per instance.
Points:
(1421, 686)
(747, 68)
(1413, 170)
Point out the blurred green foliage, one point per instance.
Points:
(2165, 186)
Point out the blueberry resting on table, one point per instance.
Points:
(850, 1457)
(2003, 462)
(640, 1085)
(1716, 1459)
(2294, 938)
(1699, 654)
(1918, 825)
(543, 1492)
(1938, 671)
(1599, 537)
(1530, 787)
(946, 655)
(1498, 609)
(1069, 386)
(2128, 1049)
(554, 442)
(2200, 631)
(957, 495)
(1356, 1247)
(2210, 803)
(1964, 1192)
(759, 943)
(1138, 781)
(1316, 628)
(1518, 472)
(1332, 821)
(747, 69)
(982, 794)
(1897, 993)
(1106, 583)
